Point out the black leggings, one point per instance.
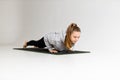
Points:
(39, 43)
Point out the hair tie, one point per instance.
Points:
(73, 24)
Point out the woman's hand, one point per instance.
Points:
(53, 51)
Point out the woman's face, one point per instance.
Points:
(75, 36)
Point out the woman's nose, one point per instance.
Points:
(77, 39)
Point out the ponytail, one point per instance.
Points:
(72, 27)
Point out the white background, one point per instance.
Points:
(22, 20)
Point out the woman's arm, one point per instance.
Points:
(49, 46)
(53, 51)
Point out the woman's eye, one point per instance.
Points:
(75, 37)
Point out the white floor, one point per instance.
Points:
(25, 65)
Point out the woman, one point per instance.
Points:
(58, 41)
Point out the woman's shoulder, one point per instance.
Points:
(56, 33)
(60, 34)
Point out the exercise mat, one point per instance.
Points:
(42, 50)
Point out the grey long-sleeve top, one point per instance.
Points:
(55, 40)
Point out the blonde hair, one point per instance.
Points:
(72, 27)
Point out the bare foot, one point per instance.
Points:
(25, 44)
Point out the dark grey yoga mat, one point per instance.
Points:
(42, 50)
